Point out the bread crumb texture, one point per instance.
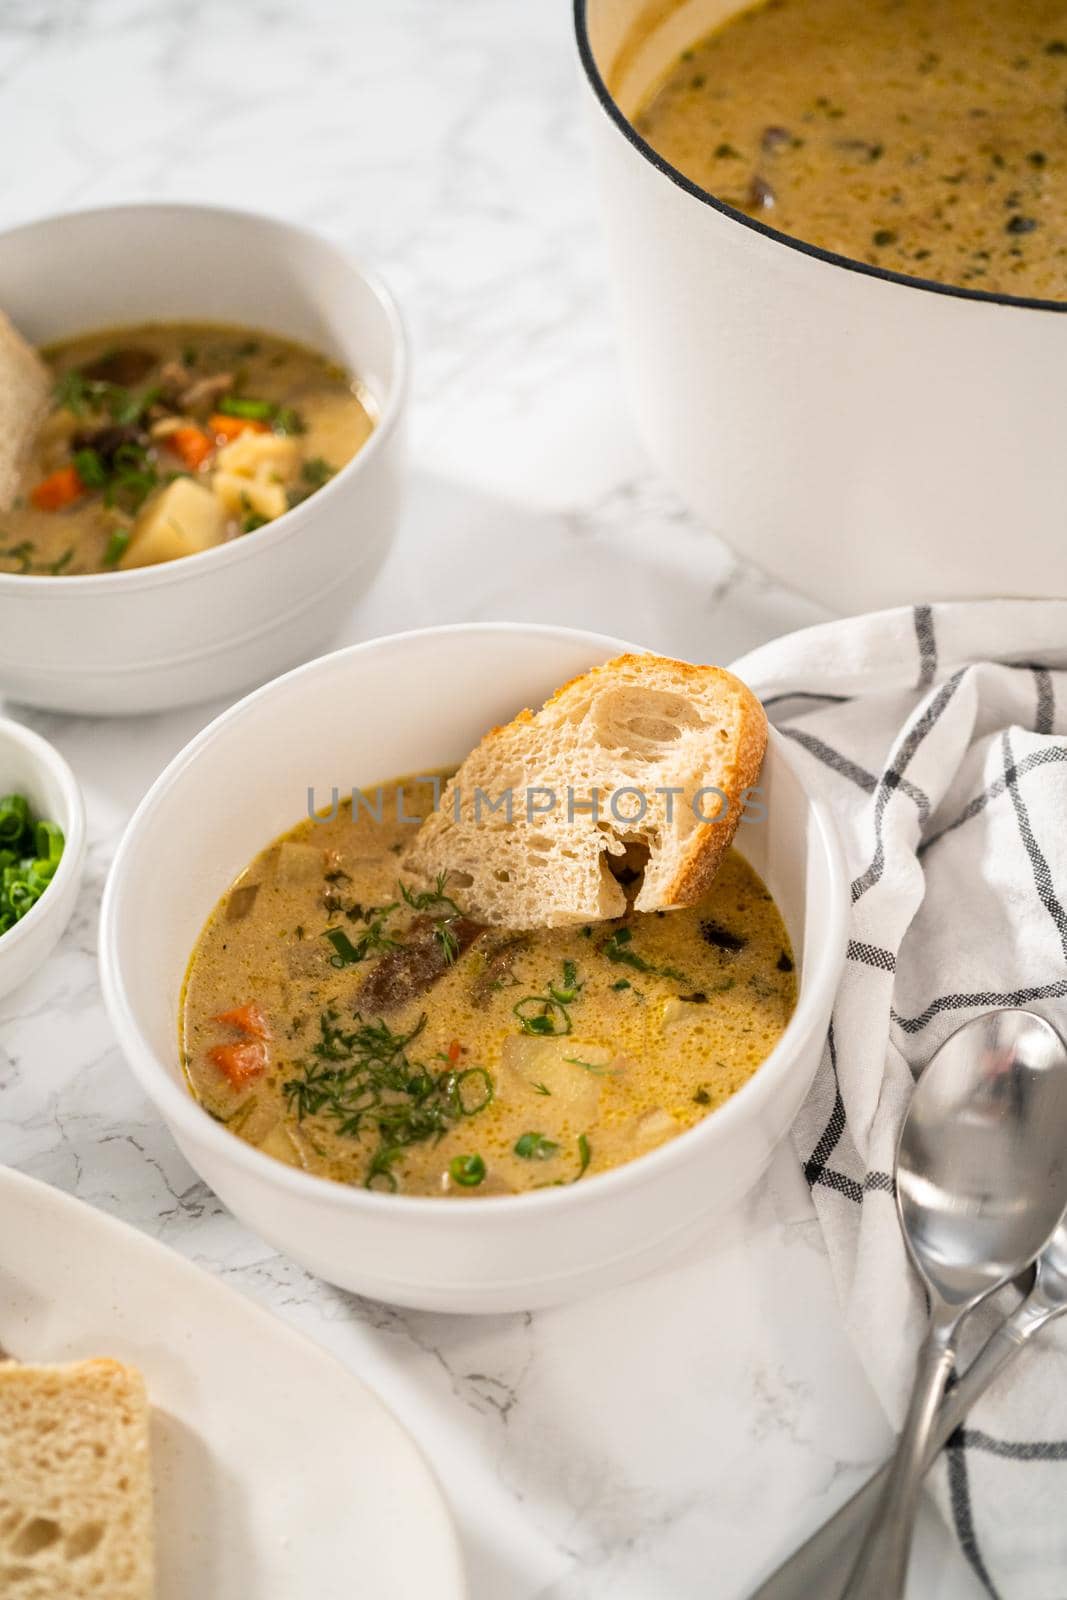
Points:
(75, 1483)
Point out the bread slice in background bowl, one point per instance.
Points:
(416, 703)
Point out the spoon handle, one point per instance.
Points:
(881, 1571)
(821, 1565)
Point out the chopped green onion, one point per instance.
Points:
(535, 1147)
(467, 1170)
(316, 472)
(345, 952)
(90, 468)
(286, 420)
(232, 405)
(585, 1155)
(543, 1016)
(116, 546)
(14, 817)
(30, 852)
(567, 992)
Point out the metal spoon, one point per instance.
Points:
(981, 1180)
(822, 1564)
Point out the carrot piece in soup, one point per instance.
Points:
(192, 445)
(232, 427)
(455, 1050)
(241, 1062)
(59, 489)
(247, 1019)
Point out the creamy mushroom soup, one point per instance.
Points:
(924, 136)
(348, 1021)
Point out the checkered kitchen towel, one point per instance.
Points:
(939, 736)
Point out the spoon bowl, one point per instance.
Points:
(982, 1158)
(981, 1183)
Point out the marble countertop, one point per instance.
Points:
(673, 1438)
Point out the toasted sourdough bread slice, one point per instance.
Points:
(75, 1483)
(639, 723)
(24, 386)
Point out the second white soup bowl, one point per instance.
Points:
(217, 622)
(406, 704)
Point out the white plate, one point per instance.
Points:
(278, 1475)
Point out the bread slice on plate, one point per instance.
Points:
(24, 387)
(643, 762)
(75, 1483)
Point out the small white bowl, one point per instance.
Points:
(29, 765)
(209, 624)
(412, 703)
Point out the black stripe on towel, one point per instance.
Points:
(1045, 718)
(985, 999)
(893, 778)
(1050, 755)
(841, 1183)
(815, 1168)
(833, 759)
(1016, 1449)
(871, 955)
(963, 1520)
(1043, 883)
(924, 636)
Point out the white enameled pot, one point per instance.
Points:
(415, 702)
(210, 624)
(869, 439)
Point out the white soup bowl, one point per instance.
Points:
(214, 623)
(415, 702)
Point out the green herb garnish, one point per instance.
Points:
(540, 1014)
(31, 849)
(365, 1082)
(347, 954)
(23, 553)
(467, 1170)
(585, 1155)
(316, 472)
(90, 468)
(116, 546)
(617, 948)
(436, 901)
(566, 992)
(596, 1067)
(57, 566)
(286, 420)
(535, 1147)
(233, 405)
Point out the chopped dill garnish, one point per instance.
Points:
(363, 1080)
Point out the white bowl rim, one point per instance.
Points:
(615, 113)
(821, 963)
(291, 521)
(48, 758)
